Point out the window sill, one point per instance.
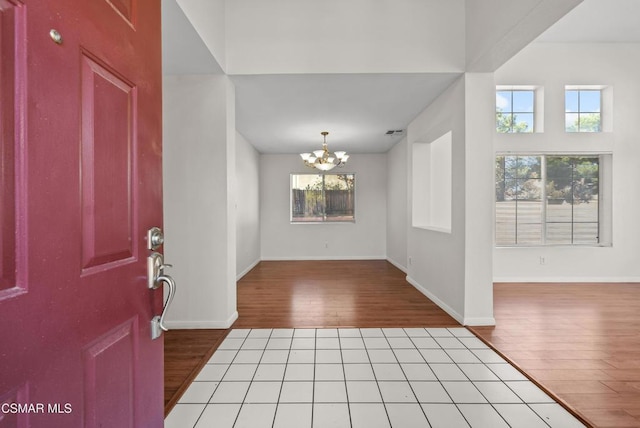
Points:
(434, 228)
(510, 247)
(324, 222)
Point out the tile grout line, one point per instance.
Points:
(468, 380)
(425, 361)
(222, 377)
(384, 404)
(428, 366)
(500, 380)
(245, 394)
(313, 382)
(346, 391)
(472, 382)
(266, 345)
(400, 366)
(528, 403)
(252, 377)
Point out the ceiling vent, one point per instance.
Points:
(395, 132)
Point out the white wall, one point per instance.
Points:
(554, 66)
(364, 239)
(479, 191)
(337, 36)
(199, 199)
(437, 259)
(454, 269)
(183, 50)
(497, 29)
(397, 205)
(208, 17)
(247, 206)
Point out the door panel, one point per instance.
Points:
(81, 185)
(107, 194)
(12, 47)
(7, 151)
(110, 367)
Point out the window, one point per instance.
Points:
(547, 200)
(322, 197)
(515, 111)
(583, 110)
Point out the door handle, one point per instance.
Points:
(158, 320)
(156, 278)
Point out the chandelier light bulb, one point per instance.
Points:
(323, 159)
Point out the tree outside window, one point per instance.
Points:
(322, 198)
(583, 110)
(514, 111)
(544, 200)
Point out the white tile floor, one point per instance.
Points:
(369, 378)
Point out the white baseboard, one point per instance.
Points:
(479, 321)
(436, 300)
(567, 279)
(246, 271)
(287, 258)
(396, 264)
(195, 325)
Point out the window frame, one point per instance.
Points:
(511, 113)
(603, 212)
(292, 220)
(581, 112)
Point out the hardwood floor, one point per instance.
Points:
(579, 341)
(185, 352)
(366, 293)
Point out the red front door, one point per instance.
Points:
(80, 122)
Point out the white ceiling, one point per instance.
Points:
(598, 21)
(286, 113)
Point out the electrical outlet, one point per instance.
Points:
(410, 261)
(543, 261)
(326, 245)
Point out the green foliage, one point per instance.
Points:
(553, 192)
(320, 198)
(574, 179)
(349, 180)
(508, 123)
(586, 122)
(316, 185)
(500, 184)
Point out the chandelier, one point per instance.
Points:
(323, 159)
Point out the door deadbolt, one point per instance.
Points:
(155, 238)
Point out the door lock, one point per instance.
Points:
(155, 238)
